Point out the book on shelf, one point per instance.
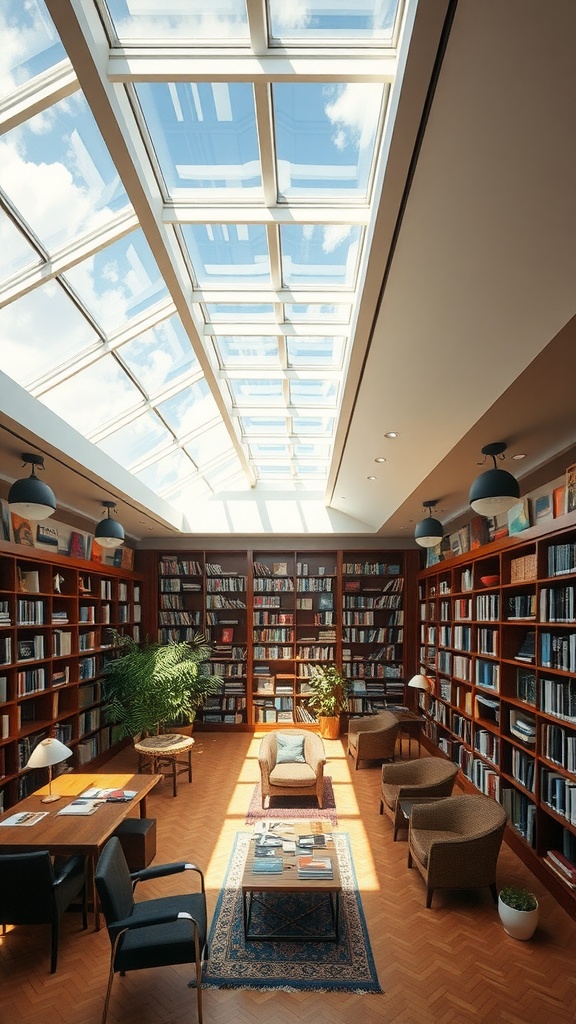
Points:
(527, 651)
(565, 866)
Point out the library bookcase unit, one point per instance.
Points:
(205, 593)
(56, 618)
(373, 629)
(498, 635)
(296, 627)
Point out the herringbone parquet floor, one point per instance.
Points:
(452, 964)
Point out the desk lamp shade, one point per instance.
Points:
(45, 754)
(420, 682)
(109, 533)
(31, 498)
(495, 490)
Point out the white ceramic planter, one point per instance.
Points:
(520, 924)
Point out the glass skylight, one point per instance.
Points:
(193, 249)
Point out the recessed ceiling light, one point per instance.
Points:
(379, 459)
(391, 434)
(370, 477)
(518, 457)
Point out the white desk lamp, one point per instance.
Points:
(46, 753)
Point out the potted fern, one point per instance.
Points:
(328, 699)
(149, 686)
(518, 910)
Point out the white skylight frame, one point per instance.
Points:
(303, 305)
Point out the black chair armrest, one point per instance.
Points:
(70, 866)
(161, 870)
(129, 923)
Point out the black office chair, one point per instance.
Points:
(153, 933)
(33, 890)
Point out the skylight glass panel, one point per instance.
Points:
(119, 282)
(59, 175)
(178, 21)
(312, 451)
(319, 254)
(168, 472)
(204, 136)
(228, 254)
(325, 138)
(247, 351)
(41, 331)
(313, 392)
(272, 472)
(223, 473)
(94, 396)
(190, 409)
(212, 443)
(136, 440)
(341, 21)
(238, 311)
(30, 43)
(302, 312)
(261, 425)
(160, 356)
(260, 450)
(303, 425)
(16, 253)
(256, 392)
(313, 351)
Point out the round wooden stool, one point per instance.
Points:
(169, 750)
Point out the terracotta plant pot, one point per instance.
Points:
(329, 727)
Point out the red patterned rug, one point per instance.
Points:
(294, 806)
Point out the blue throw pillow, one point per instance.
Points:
(289, 748)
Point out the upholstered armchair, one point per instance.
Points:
(425, 777)
(292, 764)
(455, 843)
(373, 738)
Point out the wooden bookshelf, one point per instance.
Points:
(497, 632)
(273, 615)
(56, 617)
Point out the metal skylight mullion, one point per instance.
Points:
(280, 295)
(257, 25)
(245, 329)
(37, 95)
(67, 256)
(84, 36)
(365, 63)
(321, 373)
(306, 212)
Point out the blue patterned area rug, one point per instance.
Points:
(346, 966)
(294, 806)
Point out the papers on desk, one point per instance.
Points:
(25, 818)
(110, 795)
(81, 806)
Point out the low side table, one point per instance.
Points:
(404, 807)
(411, 725)
(169, 750)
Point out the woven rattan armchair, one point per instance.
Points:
(373, 738)
(425, 777)
(455, 843)
(292, 778)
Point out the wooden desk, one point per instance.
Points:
(75, 834)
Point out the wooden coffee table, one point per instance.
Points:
(256, 887)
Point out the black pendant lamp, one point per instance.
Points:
(429, 532)
(109, 533)
(495, 490)
(31, 498)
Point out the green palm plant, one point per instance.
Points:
(330, 691)
(150, 685)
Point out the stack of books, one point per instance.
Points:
(267, 865)
(563, 867)
(314, 867)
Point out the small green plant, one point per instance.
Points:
(330, 691)
(518, 898)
